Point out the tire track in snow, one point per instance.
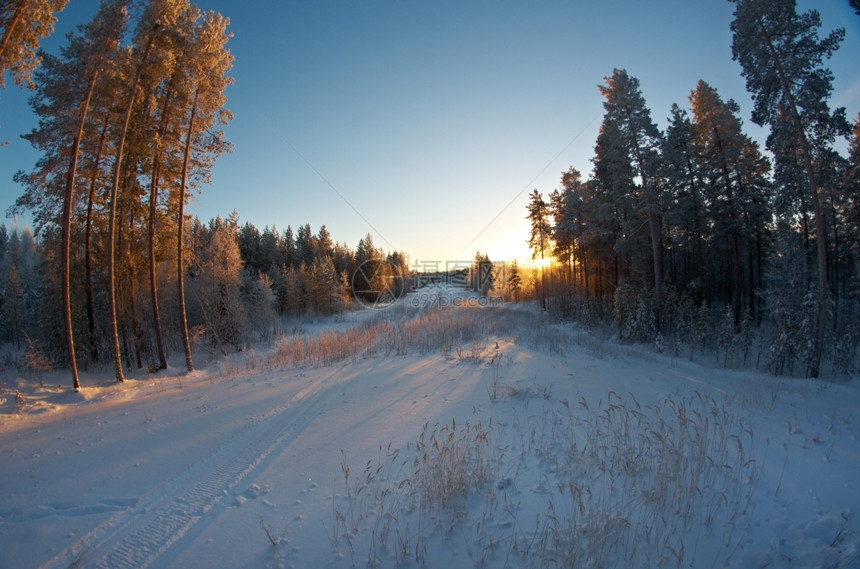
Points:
(145, 535)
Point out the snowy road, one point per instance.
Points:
(184, 459)
(153, 531)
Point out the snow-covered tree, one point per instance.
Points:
(260, 304)
(852, 190)
(206, 64)
(66, 89)
(685, 211)
(735, 180)
(290, 290)
(782, 59)
(628, 128)
(218, 282)
(514, 281)
(481, 276)
(540, 234)
(321, 285)
(23, 23)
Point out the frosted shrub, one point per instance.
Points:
(260, 304)
(725, 332)
(845, 349)
(792, 320)
(35, 360)
(634, 313)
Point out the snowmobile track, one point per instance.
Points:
(143, 535)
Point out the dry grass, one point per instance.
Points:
(450, 463)
(460, 332)
(400, 501)
(619, 484)
(649, 485)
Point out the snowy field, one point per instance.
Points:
(417, 437)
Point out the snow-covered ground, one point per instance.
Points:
(533, 447)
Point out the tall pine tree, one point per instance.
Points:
(782, 60)
(66, 86)
(540, 235)
(636, 137)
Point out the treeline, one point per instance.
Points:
(240, 282)
(310, 273)
(680, 231)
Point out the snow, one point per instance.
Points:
(565, 444)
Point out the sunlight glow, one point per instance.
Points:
(541, 264)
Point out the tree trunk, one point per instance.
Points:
(112, 221)
(835, 257)
(135, 328)
(153, 210)
(7, 33)
(88, 269)
(654, 231)
(67, 229)
(186, 340)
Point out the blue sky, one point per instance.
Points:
(427, 124)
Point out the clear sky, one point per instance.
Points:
(428, 123)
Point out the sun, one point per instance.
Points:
(541, 264)
(544, 263)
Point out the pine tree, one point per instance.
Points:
(13, 306)
(260, 303)
(147, 32)
(291, 290)
(562, 233)
(735, 180)
(66, 87)
(288, 243)
(782, 60)
(684, 215)
(636, 136)
(24, 23)
(611, 222)
(306, 244)
(323, 244)
(852, 189)
(160, 143)
(323, 286)
(96, 167)
(271, 254)
(568, 224)
(482, 280)
(217, 287)
(515, 280)
(250, 247)
(540, 234)
(207, 62)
